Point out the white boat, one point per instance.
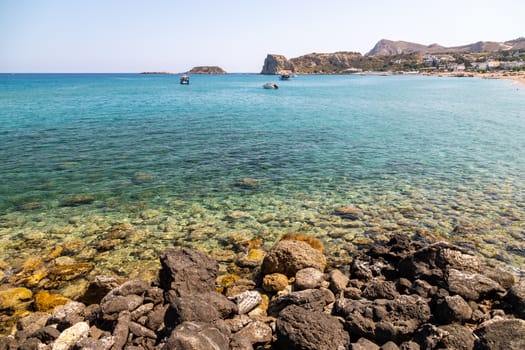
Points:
(185, 80)
(270, 86)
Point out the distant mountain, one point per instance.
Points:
(386, 47)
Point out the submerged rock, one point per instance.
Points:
(77, 200)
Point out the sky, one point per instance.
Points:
(107, 36)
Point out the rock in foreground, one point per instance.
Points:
(400, 295)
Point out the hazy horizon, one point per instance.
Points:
(60, 36)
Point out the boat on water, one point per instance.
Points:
(270, 86)
(285, 77)
(185, 80)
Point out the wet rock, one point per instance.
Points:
(516, 299)
(69, 272)
(274, 282)
(247, 183)
(298, 328)
(71, 335)
(289, 256)
(47, 302)
(81, 199)
(308, 278)
(452, 309)
(471, 286)
(311, 299)
(297, 236)
(338, 281)
(349, 212)
(187, 271)
(197, 336)
(15, 298)
(247, 301)
(501, 334)
(253, 258)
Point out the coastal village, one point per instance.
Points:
(485, 59)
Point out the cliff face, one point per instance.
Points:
(273, 64)
(321, 63)
(207, 70)
(326, 62)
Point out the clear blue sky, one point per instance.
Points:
(175, 35)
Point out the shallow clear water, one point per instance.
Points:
(417, 154)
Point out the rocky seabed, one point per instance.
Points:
(400, 295)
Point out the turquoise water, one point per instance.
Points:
(441, 157)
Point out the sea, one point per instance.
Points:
(112, 169)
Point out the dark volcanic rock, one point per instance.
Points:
(457, 337)
(451, 309)
(197, 336)
(501, 334)
(516, 299)
(382, 320)
(380, 289)
(205, 307)
(187, 271)
(298, 328)
(312, 299)
(471, 286)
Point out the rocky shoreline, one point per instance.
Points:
(404, 294)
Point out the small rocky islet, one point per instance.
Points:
(402, 294)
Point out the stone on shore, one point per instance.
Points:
(298, 328)
(197, 336)
(187, 271)
(289, 256)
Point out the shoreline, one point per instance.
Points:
(401, 294)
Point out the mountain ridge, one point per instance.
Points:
(386, 47)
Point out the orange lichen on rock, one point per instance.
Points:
(45, 301)
(312, 241)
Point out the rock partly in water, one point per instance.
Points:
(207, 70)
(274, 64)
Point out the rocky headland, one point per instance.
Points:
(403, 294)
(399, 56)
